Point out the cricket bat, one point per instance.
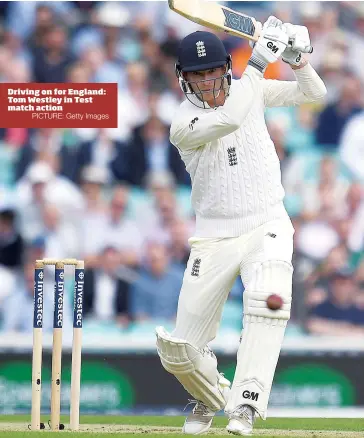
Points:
(218, 17)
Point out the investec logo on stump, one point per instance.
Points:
(78, 300)
(38, 298)
(59, 303)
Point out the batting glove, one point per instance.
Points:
(270, 45)
(299, 41)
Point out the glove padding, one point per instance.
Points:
(299, 41)
(272, 42)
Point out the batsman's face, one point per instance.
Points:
(206, 82)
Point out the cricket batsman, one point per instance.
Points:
(242, 227)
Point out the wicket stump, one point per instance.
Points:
(57, 343)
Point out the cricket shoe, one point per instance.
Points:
(241, 420)
(200, 419)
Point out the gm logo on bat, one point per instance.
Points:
(239, 22)
(271, 46)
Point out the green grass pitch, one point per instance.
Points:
(16, 426)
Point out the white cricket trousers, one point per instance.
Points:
(212, 269)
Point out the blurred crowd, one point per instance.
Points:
(119, 198)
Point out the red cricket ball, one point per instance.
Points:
(274, 302)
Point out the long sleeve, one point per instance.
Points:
(192, 130)
(308, 87)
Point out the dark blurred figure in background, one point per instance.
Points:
(338, 315)
(334, 117)
(52, 58)
(154, 295)
(44, 20)
(151, 151)
(351, 150)
(106, 295)
(103, 152)
(11, 242)
(123, 231)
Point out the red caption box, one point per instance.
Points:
(32, 105)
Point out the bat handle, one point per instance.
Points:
(308, 49)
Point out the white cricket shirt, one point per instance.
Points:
(232, 161)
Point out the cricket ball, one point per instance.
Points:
(274, 302)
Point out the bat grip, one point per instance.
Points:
(308, 49)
